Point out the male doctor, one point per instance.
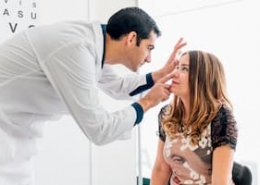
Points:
(58, 69)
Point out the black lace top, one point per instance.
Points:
(192, 164)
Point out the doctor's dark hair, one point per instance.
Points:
(131, 19)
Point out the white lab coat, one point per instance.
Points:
(49, 71)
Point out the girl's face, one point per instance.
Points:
(180, 80)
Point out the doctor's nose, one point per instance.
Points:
(148, 59)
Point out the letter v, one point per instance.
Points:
(13, 28)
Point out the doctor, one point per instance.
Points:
(52, 70)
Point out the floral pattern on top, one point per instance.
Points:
(191, 164)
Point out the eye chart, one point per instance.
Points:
(16, 15)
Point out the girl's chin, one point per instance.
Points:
(174, 93)
(172, 90)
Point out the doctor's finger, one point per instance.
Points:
(180, 44)
(166, 78)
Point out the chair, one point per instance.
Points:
(241, 175)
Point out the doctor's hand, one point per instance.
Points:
(171, 62)
(157, 94)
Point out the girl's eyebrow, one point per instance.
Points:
(185, 64)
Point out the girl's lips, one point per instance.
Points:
(174, 83)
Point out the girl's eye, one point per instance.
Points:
(186, 69)
(182, 68)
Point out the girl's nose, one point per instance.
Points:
(176, 72)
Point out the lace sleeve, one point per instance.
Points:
(224, 129)
(164, 110)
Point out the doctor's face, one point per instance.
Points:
(138, 55)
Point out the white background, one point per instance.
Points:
(231, 31)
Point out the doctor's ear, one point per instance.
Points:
(131, 37)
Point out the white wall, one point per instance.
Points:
(52, 11)
(230, 32)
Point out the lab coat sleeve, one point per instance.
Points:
(124, 87)
(71, 71)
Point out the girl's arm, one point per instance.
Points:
(161, 170)
(222, 163)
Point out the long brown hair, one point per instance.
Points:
(207, 86)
